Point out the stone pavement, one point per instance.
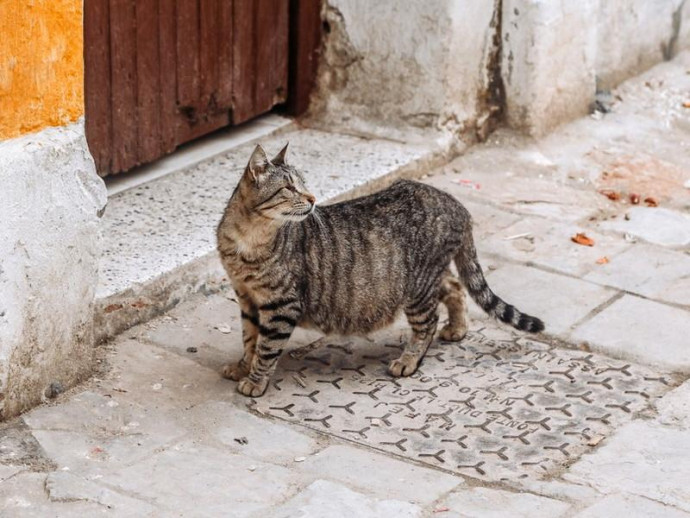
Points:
(590, 419)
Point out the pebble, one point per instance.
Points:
(300, 459)
(192, 349)
(224, 328)
(157, 386)
(54, 389)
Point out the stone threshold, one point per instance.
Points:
(159, 228)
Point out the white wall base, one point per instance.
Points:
(50, 198)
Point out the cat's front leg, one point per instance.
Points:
(277, 320)
(250, 335)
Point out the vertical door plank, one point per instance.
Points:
(97, 82)
(188, 52)
(279, 67)
(266, 38)
(148, 80)
(305, 43)
(244, 60)
(271, 53)
(208, 53)
(167, 14)
(225, 37)
(123, 50)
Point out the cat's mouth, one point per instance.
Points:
(299, 214)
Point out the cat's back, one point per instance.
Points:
(401, 201)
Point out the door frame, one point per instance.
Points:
(305, 39)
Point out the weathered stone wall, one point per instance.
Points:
(557, 55)
(455, 66)
(50, 199)
(406, 64)
(548, 53)
(633, 35)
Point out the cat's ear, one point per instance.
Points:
(279, 159)
(258, 163)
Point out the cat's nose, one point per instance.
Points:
(310, 198)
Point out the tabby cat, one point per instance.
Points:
(348, 268)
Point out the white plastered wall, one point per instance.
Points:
(50, 200)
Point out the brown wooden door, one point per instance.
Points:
(159, 73)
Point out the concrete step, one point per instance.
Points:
(159, 237)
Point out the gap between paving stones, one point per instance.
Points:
(601, 307)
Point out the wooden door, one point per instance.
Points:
(159, 73)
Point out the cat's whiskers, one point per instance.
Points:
(317, 217)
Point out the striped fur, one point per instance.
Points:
(348, 268)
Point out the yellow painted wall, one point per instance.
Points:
(41, 65)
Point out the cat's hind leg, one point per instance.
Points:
(423, 318)
(250, 335)
(453, 297)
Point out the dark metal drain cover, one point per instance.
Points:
(497, 406)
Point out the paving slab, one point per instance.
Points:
(547, 243)
(211, 329)
(641, 330)
(243, 433)
(24, 496)
(655, 225)
(20, 450)
(543, 196)
(644, 459)
(498, 406)
(630, 506)
(558, 489)
(651, 271)
(491, 503)
(558, 300)
(63, 486)
(99, 429)
(487, 219)
(323, 498)
(674, 407)
(362, 469)
(177, 479)
(159, 380)
(7, 471)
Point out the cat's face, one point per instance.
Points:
(275, 189)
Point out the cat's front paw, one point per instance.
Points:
(248, 388)
(406, 365)
(452, 334)
(235, 371)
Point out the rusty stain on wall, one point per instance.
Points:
(41, 65)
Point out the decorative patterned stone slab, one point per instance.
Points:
(497, 406)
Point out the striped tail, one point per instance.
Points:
(473, 278)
